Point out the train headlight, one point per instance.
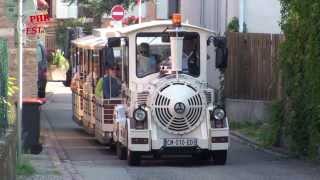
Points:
(139, 114)
(219, 113)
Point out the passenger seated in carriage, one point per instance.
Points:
(109, 86)
(146, 63)
(190, 59)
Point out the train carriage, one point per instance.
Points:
(84, 68)
(97, 111)
(156, 98)
(77, 60)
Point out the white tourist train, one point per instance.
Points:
(153, 95)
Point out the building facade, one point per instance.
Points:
(62, 9)
(261, 16)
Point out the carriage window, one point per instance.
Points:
(153, 52)
(115, 71)
(111, 80)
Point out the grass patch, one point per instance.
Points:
(256, 131)
(56, 172)
(25, 168)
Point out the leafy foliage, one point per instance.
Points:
(60, 60)
(130, 20)
(233, 25)
(25, 168)
(98, 7)
(12, 89)
(61, 30)
(300, 69)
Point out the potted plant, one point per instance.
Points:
(59, 66)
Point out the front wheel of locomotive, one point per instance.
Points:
(202, 156)
(113, 146)
(133, 158)
(219, 157)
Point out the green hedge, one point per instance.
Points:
(300, 70)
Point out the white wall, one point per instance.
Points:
(162, 9)
(260, 16)
(135, 11)
(62, 10)
(233, 9)
(263, 16)
(210, 14)
(190, 11)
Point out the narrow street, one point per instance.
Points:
(83, 158)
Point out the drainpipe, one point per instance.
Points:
(227, 14)
(218, 10)
(242, 15)
(202, 13)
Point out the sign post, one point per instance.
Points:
(20, 74)
(117, 12)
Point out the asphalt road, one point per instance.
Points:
(92, 161)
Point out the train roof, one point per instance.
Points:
(100, 36)
(137, 27)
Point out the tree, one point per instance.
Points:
(300, 70)
(98, 7)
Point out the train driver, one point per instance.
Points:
(190, 57)
(146, 63)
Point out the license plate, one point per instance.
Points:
(180, 142)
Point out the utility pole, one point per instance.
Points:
(140, 11)
(20, 73)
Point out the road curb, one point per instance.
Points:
(248, 141)
(55, 151)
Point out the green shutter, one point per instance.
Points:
(3, 85)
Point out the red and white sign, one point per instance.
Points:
(36, 24)
(117, 13)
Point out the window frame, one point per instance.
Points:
(150, 35)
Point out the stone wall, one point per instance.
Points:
(8, 156)
(240, 110)
(30, 68)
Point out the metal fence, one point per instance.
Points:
(3, 85)
(253, 72)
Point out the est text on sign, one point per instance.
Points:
(36, 23)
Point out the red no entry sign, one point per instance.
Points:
(117, 12)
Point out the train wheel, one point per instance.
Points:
(133, 158)
(121, 151)
(203, 156)
(219, 157)
(113, 146)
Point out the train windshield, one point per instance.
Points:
(153, 52)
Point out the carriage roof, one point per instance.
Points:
(90, 42)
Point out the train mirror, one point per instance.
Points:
(221, 58)
(221, 51)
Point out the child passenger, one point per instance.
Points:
(109, 86)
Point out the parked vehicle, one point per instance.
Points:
(164, 104)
